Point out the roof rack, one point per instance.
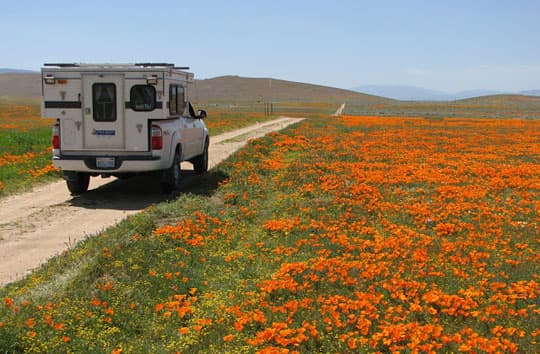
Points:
(144, 65)
(168, 65)
(63, 65)
(155, 64)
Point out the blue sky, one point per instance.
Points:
(445, 45)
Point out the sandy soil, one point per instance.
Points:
(37, 225)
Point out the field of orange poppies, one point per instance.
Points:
(351, 234)
(397, 234)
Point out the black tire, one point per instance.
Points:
(78, 183)
(171, 178)
(124, 176)
(200, 163)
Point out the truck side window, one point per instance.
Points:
(177, 99)
(172, 99)
(142, 97)
(181, 100)
(104, 102)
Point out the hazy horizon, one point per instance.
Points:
(446, 47)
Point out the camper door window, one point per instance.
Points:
(142, 98)
(104, 102)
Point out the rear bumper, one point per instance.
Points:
(122, 164)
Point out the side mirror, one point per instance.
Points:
(201, 114)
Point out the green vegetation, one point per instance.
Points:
(25, 155)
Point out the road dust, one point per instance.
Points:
(37, 225)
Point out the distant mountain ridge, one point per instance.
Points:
(413, 93)
(530, 92)
(17, 71)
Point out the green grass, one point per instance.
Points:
(25, 152)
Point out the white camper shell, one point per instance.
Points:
(122, 119)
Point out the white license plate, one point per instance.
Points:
(105, 162)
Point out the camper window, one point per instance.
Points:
(177, 102)
(142, 98)
(104, 102)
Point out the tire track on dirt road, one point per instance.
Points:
(37, 225)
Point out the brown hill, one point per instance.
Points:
(496, 106)
(235, 88)
(20, 85)
(503, 100)
(224, 88)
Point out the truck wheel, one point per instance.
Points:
(170, 181)
(200, 163)
(78, 183)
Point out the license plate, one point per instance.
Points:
(105, 162)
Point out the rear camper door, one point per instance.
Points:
(103, 111)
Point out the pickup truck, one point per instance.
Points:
(121, 120)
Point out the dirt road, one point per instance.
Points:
(339, 111)
(35, 226)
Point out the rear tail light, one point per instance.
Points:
(56, 135)
(157, 138)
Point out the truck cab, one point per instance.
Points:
(123, 119)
